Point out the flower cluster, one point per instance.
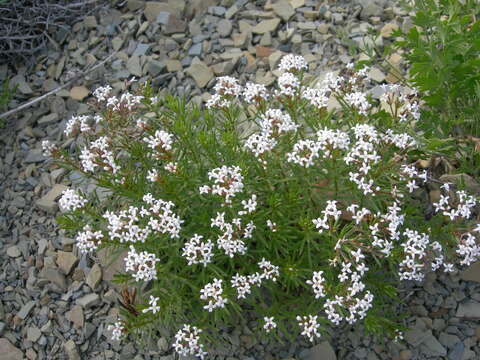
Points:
(98, 155)
(197, 251)
(310, 326)
(77, 123)
(228, 181)
(161, 142)
(464, 204)
(141, 264)
(231, 239)
(187, 342)
(212, 292)
(88, 240)
(48, 148)
(71, 200)
(243, 284)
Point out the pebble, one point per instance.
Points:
(94, 277)
(88, 300)
(8, 351)
(14, 251)
(79, 93)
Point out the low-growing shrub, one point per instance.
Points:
(270, 201)
(442, 50)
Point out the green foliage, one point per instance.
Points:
(443, 52)
(302, 220)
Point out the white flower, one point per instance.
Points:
(143, 265)
(242, 285)
(171, 167)
(270, 324)
(212, 292)
(270, 272)
(228, 86)
(197, 251)
(102, 92)
(304, 153)
(249, 205)
(317, 283)
(88, 240)
(274, 122)
(152, 175)
(48, 148)
(228, 181)
(160, 141)
(253, 93)
(288, 84)
(259, 144)
(292, 62)
(187, 342)
(310, 326)
(317, 97)
(154, 308)
(71, 200)
(272, 225)
(117, 330)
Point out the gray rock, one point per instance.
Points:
(266, 26)
(201, 73)
(175, 25)
(432, 347)
(88, 300)
(48, 119)
(196, 49)
(8, 351)
(71, 350)
(33, 333)
(370, 9)
(76, 316)
(14, 251)
(133, 66)
(469, 309)
(322, 351)
(155, 67)
(457, 352)
(26, 309)
(94, 277)
(48, 201)
(224, 27)
(35, 156)
(55, 277)
(283, 9)
(66, 261)
(141, 49)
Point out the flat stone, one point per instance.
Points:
(33, 333)
(94, 277)
(388, 29)
(26, 309)
(79, 93)
(48, 201)
(155, 67)
(241, 40)
(8, 351)
(274, 59)
(432, 347)
(14, 251)
(66, 261)
(322, 351)
(297, 3)
(76, 316)
(415, 336)
(112, 264)
(196, 49)
(266, 26)
(117, 43)
(48, 119)
(54, 276)
(175, 25)
(201, 73)
(71, 350)
(376, 75)
(134, 5)
(133, 66)
(90, 22)
(370, 9)
(471, 273)
(35, 156)
(470, 309)
(88, 300)
(163, 17)
(141, 49)
(224, 27)
(283, 9)
(153, 8)
(174, 65)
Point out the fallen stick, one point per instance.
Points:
(51, 92)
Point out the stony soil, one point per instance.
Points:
(54, 302)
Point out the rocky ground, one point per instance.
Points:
(55, 303)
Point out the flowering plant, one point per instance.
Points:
(269, 201)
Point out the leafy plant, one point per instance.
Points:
(267, 201)
(443, 53)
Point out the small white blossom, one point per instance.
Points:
(197, 251)
(154, 308)
(88, 240)
(269, 324)
(142, 264)
(212, 292)
(310, 326)
(117, 330)
(187, 342)
(292, 62)
(71, 200)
